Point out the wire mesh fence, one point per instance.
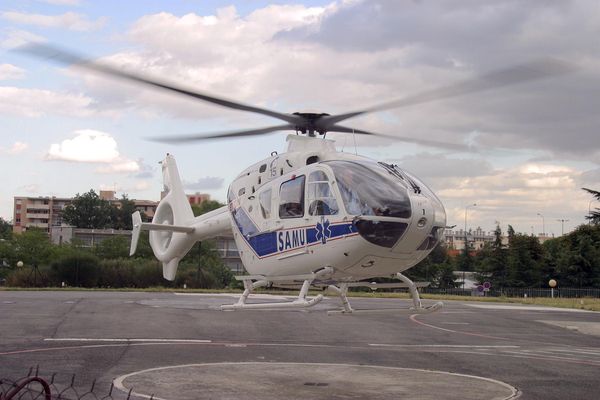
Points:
(518, 292)
(34, 386)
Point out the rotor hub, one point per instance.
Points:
(309, 125)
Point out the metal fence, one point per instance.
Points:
(34, 386)
(518, 292)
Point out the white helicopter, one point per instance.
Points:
(311, 216)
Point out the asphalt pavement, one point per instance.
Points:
(181, 346)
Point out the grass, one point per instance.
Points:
(586, 303)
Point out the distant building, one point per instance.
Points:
(229, 253)
(476, 240)
(198, 198)
(86, 237)
(45, 212)
(38, 212)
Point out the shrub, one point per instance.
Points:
(80, 269)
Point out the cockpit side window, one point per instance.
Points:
(291, 198)
(264, 200)
(320, 198)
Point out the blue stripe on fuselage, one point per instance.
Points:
(268, 243)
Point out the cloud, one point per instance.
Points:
(206, 183)
(141, 186)
(16, 148)
(91, 146)
(16, 38)
(515, 196)
(145, 170)
(437, 44)
(38, 102)
(9, 71)
(350, 55)
(70, 20)
(120, 167)
(87, 146)
(33, 188)
(436, 166)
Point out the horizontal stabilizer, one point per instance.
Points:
(139, 226)
(148, 226)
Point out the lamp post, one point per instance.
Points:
(562, 221)
(466, 241)
(543, 224)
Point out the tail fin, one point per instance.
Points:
(135, 233)
(171, 230)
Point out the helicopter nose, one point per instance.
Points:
(426, 228)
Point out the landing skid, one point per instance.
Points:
(300, 302)
(417, 307)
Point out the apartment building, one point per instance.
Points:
(38, 212)
(45, 212)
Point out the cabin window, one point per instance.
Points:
(312, 160)
(320, 198)
(367, 189)
(291, 198)
(242, 191)
(262, 168)
(264, 200)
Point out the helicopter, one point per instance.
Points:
(312, 215)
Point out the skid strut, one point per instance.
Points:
(300, 302)
(417, 307)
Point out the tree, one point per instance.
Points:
(88, 211)
(435, 268)
(203, 267)
(113, 247)
(574, 259)
(33, 247)
(79, 269)
(446, 278)
(5, 229)
(492, 260)
(510, 233)
(121, 214)
(524, 261)
(205, 207)
(594, 216)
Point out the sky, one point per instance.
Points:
(64, 130)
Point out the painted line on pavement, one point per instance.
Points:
(127, 340)
(414, 319)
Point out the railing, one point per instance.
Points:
(518, 292)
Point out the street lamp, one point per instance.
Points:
(543, 224)
(562, 221)
(466, 240)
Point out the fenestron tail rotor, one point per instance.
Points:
(312, 123)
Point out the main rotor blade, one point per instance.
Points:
(220, 135)
(535, 70)
(424, 142)
(66, 57)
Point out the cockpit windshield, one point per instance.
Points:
(367, 191)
